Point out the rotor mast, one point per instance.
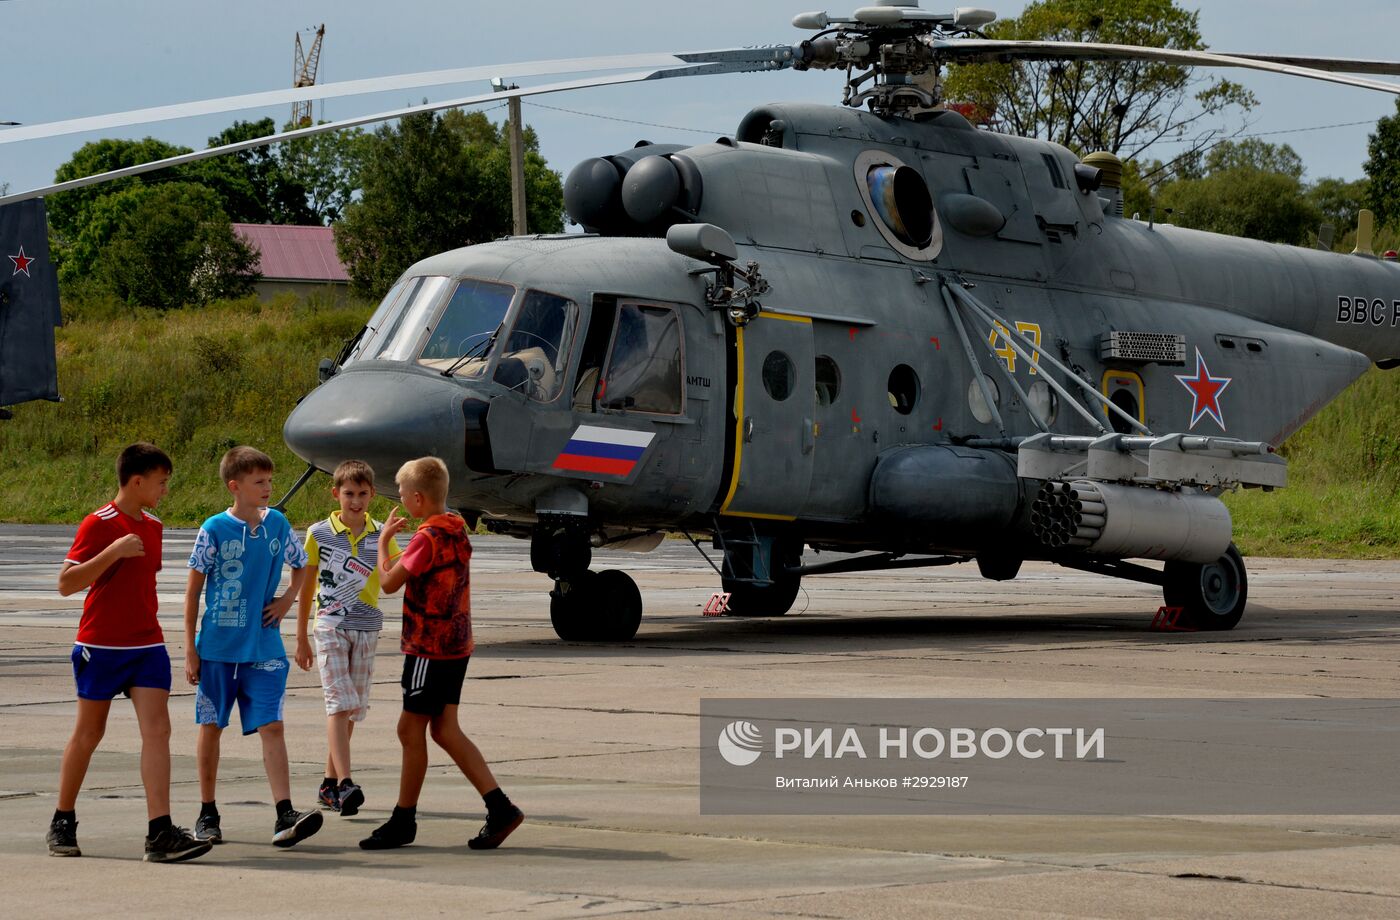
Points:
(888, 52)
(304, 67)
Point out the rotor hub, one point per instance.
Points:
(889, 51)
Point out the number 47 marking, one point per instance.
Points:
(1005, 352)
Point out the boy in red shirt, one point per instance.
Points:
(437, 643)
(120, 649)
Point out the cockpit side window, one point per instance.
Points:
(469, 325)
(644, 371)
(535, 355)
(384, 318)
(413, 319)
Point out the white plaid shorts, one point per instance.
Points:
(346, 660)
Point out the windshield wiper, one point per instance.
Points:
(475, 351)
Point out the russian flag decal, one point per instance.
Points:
(610, 451)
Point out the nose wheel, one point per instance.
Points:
(596, 607)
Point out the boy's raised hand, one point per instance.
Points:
(129, 546)
(392, 526)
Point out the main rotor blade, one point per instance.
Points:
(736, 59)
(1342, 65)
(988, 50)
(724, 65)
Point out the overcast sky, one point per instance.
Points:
(69, 58)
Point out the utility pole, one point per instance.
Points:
(517, 159)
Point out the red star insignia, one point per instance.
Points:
(1205, 392)
(21, 263)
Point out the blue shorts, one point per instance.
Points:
(102, 673)
(258, 686)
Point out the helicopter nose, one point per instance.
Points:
(379, 415)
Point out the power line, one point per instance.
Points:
(630, 121)
(1345, 124)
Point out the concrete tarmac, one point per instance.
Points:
(598, 744)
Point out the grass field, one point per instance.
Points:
(196, 382)
(199, 381)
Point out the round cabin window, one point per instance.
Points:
(828, 380)
(1043, 402)
(903, 389)
(977, 403)
(778, 375)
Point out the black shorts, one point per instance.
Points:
(432, 684)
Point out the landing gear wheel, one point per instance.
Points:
(570, 604)
(747, 600)
(1211, 595)
(596, 607)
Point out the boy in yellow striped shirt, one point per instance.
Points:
(342, 583)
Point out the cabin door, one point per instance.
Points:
(773, 407)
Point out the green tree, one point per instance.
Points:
(173, 247)
(1254, 154)
(1137, 190)
(254, 184)
(326, 168)
(103, 218)
(69, 211)
(433, 183)
(1251, 189)
(1121, 106)
(1339, 201)
(1383, 170)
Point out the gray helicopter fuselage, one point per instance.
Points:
(855, 353)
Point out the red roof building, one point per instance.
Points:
(294, 258)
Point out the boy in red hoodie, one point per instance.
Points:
(437, 644)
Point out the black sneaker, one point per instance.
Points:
(294, 827)
(351, 798)
(63, 838)
(391, 835)
(330, 798)
(496, 829)
(207, 830)
(175, 844)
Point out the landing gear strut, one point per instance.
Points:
(757, 574)
(584, 606)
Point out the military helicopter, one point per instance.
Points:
(870, 330)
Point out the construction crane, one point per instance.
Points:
(304, 74)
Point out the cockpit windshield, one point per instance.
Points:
(463, 338)
(535, 355)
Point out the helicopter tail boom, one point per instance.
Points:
(29, 309)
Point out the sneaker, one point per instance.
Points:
(294, 827)
(351, 798)
(175, 844)
(63, 838)
(496, 829)
(390, 835)
(207, 829)
(330, 798)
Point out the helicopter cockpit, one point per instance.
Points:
(459, 329)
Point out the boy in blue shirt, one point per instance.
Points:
(238, 654)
